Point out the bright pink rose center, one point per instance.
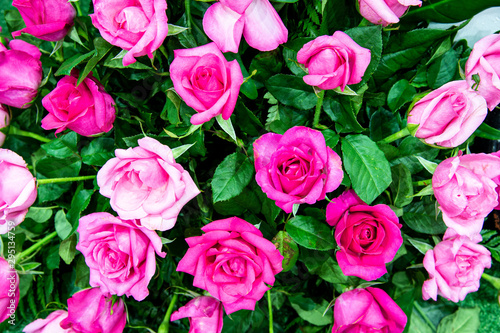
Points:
(205, 78)
(132, 19)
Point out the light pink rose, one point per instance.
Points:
(20, 73)
(86, 108)
(334, 61)
(9, 288)
(368, 236)
(367, 310)
(51, 324)
(296, 167)
(455, 266)
(257, 20)
(204, 313)
(4, 122)
(465, 190)
(385, 12)
(146, 184)
(233, 262)
(497, 181)
(45, 19)
(206, 81)
(448, 115)
(483, 61)
(137, 26)
(120, 254)
(17, 190)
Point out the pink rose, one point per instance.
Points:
(137, 26)
(367, 310)
(257, 20)
(497, 181)
(206, 81)
(296, 167)
(51, 324)
(455, 266)
(334, 61)
(204, 313)
(368, 236)
(120, 254)
(17, 190)
(20, 73)
(385, 12)
(4, 122)
(89, 311)
(465, 191)
(145, 183)
(86, 108)
(45, 19)
(483, 61)
(9, 288)
(233, 262)
(448, 115)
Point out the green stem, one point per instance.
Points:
(492, 279)
(319, 104)
(393, 137)
(423, 182)
(424, 316)
(63, 180)
(78, 9)
(270, 308)
(187, 5)
(36, 246)
(166, 321)
(16, 131)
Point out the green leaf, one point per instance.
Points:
(366, 165)
(401, 92)
(409, 149)
(82, 273)
(69, 64)
(311, 311)
(423, 216)
(39, 215)
(178, 151)
(231, 177)
(63, 227)
(52, 258)
(247, 199)
(428, 165)
(293, 91)
(343, 115)
(382, 124)
(79, 203)
(487, 132)
(331, 138)
(462, 321)
(421, 246)
(98, 151)
(67, 249)
(401, 186)
(443, 69)
(227, 126)
(310, 233)
(448, 11)
(102, 47)
(288, 249)
(428, 190)
(117, 62)
(175, 29)
(62, 147)
(246, 120)
(248, 87)
(323, 265)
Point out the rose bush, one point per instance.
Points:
(206, 81)
(385, 12)
(233, 262)
(204, 313)
(51, 324)
(9, 290)
(4, 122)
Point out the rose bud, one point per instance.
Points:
(385, 12)
(51, 324)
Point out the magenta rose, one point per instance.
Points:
(20, 73)
(334, 61)
(137, 26)
(465, 190)
(9, 288)
(206, 81)
(146, 184)
(45, 19)
(448, 115)
(455, 266)
(257, 20)
(368, 236)
(233, 262)
(204, 313)
(385, 12)
(17, 190)
(51, 324)
(89, 311)
(483, 61)
(120, 254)
(86, 108)
(4, 122)
(296, 167)
(367, 310)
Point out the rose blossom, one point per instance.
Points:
(20, 73)
(17, 190)
(368, 236)
(4, 122)
(448, 115)
(296, 167)
(257, 20)
(51, 324)
(233, 262)
(367, 310)
(137, 26)
(89, 311)
(145, 183)
(9, 289)
(86, 108)
(385, 12)
(465, 191)
(120, 254)
(45, 19)
(204, 313)
(455, 266)
(206, 81)
(497, 181)
(334, 61)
